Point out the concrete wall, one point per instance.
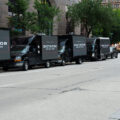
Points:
(3, 14)
(31, 8)
(60, 26)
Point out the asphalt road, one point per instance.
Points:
(90, 91)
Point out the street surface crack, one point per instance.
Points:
(70, 90)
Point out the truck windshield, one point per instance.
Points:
(22, 41)
(62, 47)
(20, 49)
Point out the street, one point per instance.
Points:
(90, 91)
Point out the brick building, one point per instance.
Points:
(58, 27)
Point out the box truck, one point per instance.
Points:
(98, 48)
(72, 48)
(31, 51)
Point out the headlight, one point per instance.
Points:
(18, 59)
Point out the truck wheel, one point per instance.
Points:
(5, 68)
(102, 57)
(112, 56)
(47, 64)
(79, 61)
(63, 63)
(116, 56)
(26, 66)
(105, 57)
(30, 67)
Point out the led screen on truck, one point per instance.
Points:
(79, 46)
(4, 45)
(49, 47)
(105, 46)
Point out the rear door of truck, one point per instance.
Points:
(49, 47)
(105, 46)
(79, 46)
(4, 44)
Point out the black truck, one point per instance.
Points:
(31, 51)
(98, 48)
(72, 48)
(4, 45)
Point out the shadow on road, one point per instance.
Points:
(42, 67)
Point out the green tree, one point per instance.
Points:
(93, 15)
(18, 19)
(115, 33)
(44, 17)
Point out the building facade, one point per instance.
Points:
(59, 27)
(3, 14)
(115, 3)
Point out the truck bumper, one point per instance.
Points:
(12, 64)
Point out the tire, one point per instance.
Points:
(116, 56)
(112, 56)
(93, 59)
(5, 68)
(30, 67)
(63, 63)
(47, 64)
(26, 66)
(102, 57)
(105, 57)
(79, 61)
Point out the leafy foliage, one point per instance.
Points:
(44, 17)
(115, 33)
(19, 12)
(93, 15)
(40, 20)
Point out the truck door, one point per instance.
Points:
(35, 52)
(68, 51)
(97, 48)
(32, 56)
